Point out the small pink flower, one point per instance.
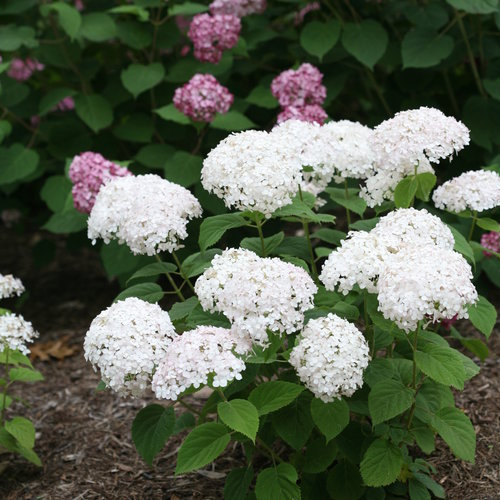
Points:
(299, 87)
(79, 5)
(491, 241)
(211, 35)
(88, 172)
(202, 97)
(22, 70)
(185, 50)
(238, 8)
(309, 113)
(66, 104)
(310, 7)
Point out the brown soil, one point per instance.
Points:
(83, 436)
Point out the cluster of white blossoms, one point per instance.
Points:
(10, 286)
(330, 357)
(126, 342)
(15, 332)
(206, 355)
(409, 142)
(148, 213)
(256, 294)
(425, 283)
(362, 256)
(252, 170)
(475, 190)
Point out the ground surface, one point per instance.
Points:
(84, 437)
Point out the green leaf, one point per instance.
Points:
(23, 430)
(134, 34)
(154, 269)
(381, 463)
(418, 491)
(197, 262)
(66, 222)
(270, 243)
(151, 428)
(13, 37)
(181, 310)
(69, 18)
(94, 110)
(366, 41)
(405, 192)
(154, 155)
(16, 163)
(332, 236)
(232, 121)
(492, 87)
(442, 364)
(483, 316)
(318, 456)
(185, 421)
(388, 399)
(16, 6)
(330, 418)
(353, 203)
(475, 6)
(213, 228)
(25, 375)
(261, 96)
(430, 484)
(202, 446)
(138, 78)
(52, 98)
(134, 10)
(424, 438)
(150, 292)
(300, 209)
(137, 127)
(426, 183)
(171, 113)
(462, 245)
(364, 225)
(344, 481)
(55, 192)
(457, 431)
(482, 116)
(238, 482)
(488, 224)
(273, 395)
(187, 9)
(241, 416)
(183, 168)
(318, 38)
(98, 27)
(423, 47)
(277, 483)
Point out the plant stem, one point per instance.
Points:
(171, 281)
(275, 457)
(261, 235)
(189, 407)
(414, 374)
(305, 226)
(7, 379)
(473, 225)
(186, 278)
(221, 394)
(347, 211)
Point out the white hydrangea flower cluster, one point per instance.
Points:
(330, 357)
(411, 140)
(430, 282)
(126, 342)
(15, 332)
(206, 355)
(148, 213)
(10, 286)
(253, 170)
(256, 294)
(362, 256)
(475, 190)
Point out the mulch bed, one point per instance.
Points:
(83, 436)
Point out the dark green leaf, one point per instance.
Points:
(240, 415)
(25, 375)
(277, 483)
(16, 163)
(425, 184)
(388, 399)
(353, 203)
(422, 47)
(344, 481)
(94, 110)
(138, 78)
(69, 18)
(442, 364)
(183, 168)
(330, 418)
(98, 27)
(381, 463)
(273, 395)
(483, 316)
(405, 192)
(213, 228)
(270, 243)
(237, 483)
(150, 292)
(232, 121)
(318, 38)
(366, 41)
(154, 269)
(171, 113)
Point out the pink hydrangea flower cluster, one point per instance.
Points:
(238, 8)
(211, 35)
(22, 70)
(302, 90)
(88, 172)
(310, 7)
(202, 97)
(491, 241)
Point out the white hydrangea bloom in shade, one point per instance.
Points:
(126, 342)
(425, 283)
(353, 153)
(206, 355)
(148, 213)
(10, 286)
(306, 141)
(476, 190)
(256, 294)
(15, 331)
(330, 357)
(254, 171)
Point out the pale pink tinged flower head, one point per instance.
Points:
(79, 5)
(491, 241)
(299, 87)
(312, 113)
(22, 70)
(238, 8)
(310, 7)
(88, 172)
(211, 35)
(66, 104)
(202, 97)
